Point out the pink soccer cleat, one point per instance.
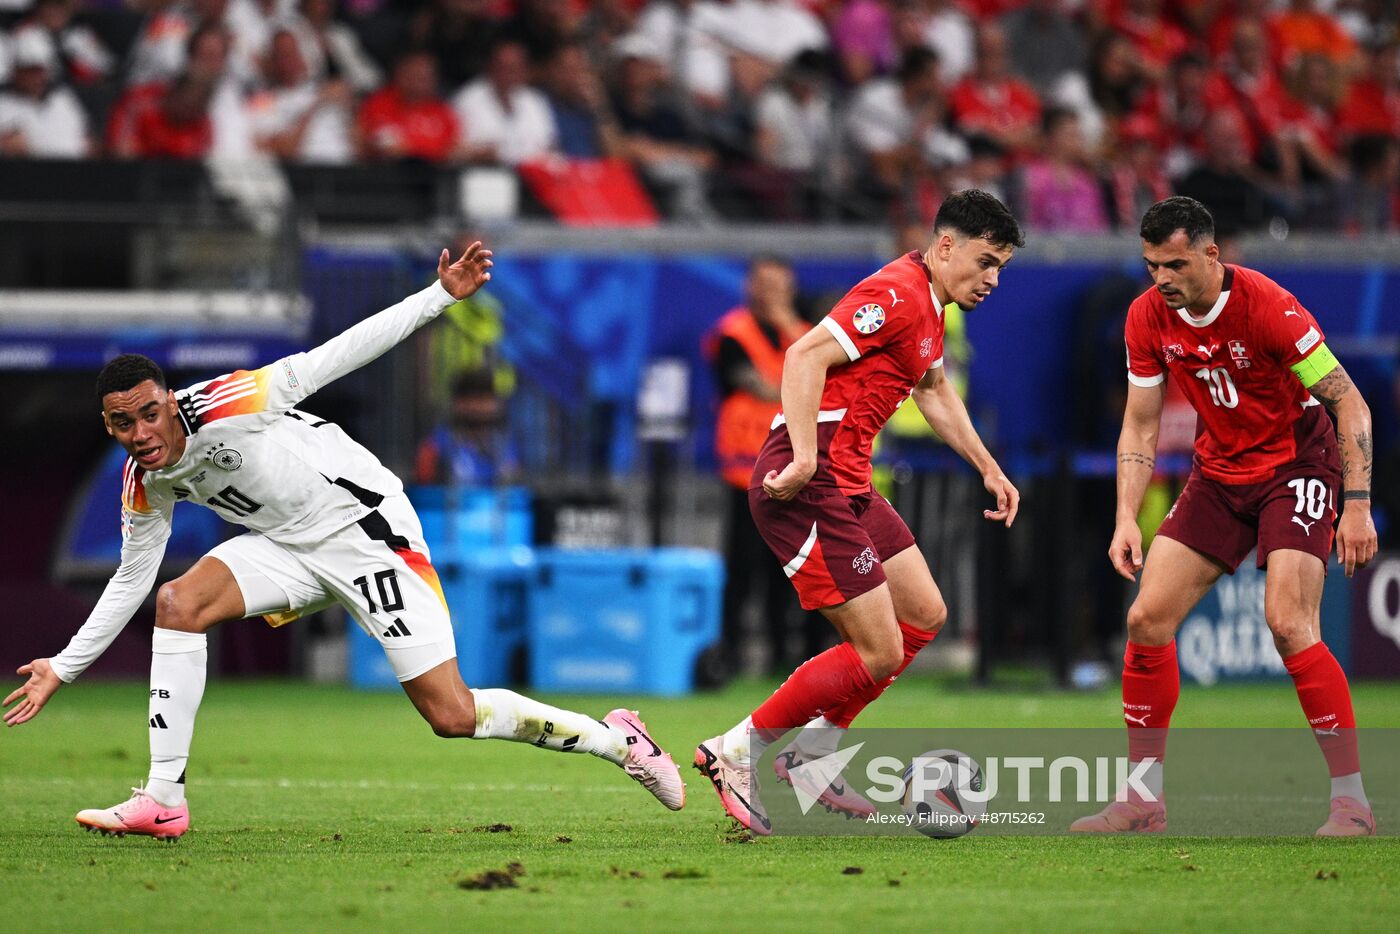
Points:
(1125, 817)
(647, 762)
(140, 814)
(733, 782)
(836, 797)
(1349, 818)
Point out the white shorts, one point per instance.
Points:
(377, 568)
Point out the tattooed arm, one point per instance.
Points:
(1137, 452)
(1356, 534)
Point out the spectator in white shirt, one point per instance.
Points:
(794, 121)
(331, 48)
(39, 117)
(503, 119)
(295, 117)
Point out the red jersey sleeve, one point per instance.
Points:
(869, 317)
(1145, 365)
(1290, 332)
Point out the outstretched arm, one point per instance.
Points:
(1356, 533)
(943, 409)
(120, 599)
(378, 334)
(1137, 459)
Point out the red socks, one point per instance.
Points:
(1326, 699)
(822, 682)
(914, 640)
(1151, 685)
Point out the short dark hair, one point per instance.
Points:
(975, 213)
(127, 372)
(1178, 212)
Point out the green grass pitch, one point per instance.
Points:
(318, 808)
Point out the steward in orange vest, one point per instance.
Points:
(745, 417)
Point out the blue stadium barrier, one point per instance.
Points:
(623, 620)
(488, 593)
(460, 521)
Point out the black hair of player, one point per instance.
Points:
(127, 372)
(1178, 212)
(977, 214)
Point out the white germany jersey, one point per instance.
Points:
(257, 462)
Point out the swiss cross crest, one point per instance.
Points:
(1239, 354)
(865, 561)
(926, 347)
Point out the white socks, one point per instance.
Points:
(744, 744)
(502, 714)
(178, 661)
(1349, 786)
(819, 738)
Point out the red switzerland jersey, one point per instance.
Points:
(891, 328)
(1253, 415)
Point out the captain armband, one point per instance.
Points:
(1314, 366)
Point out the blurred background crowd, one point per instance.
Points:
(1080, 113)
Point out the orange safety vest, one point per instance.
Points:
(744, 420)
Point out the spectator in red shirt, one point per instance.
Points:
(1157, 40)
(407, 119)
(173, 123)
(1372, 103)
(1175, 111)
(1247, 83)
(1310, 128)
(992, 102)
(1221, 31)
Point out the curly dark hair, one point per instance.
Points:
(128, 370)
(975, 213)
(1179, 212)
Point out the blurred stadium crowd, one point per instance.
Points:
(1080, 113)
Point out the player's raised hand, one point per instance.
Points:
(1126, 550)
(1008, 498)
(471, 271)
(789, 483)
(1356, 537)
(43, 681)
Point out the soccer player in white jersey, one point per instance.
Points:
(327, 524)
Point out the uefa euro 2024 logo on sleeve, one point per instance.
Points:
(868, 318)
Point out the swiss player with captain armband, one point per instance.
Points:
(1270, 470)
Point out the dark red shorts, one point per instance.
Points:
(831, 546)
(1295, 509)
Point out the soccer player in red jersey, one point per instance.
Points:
(842, 545)
(1269, 469)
